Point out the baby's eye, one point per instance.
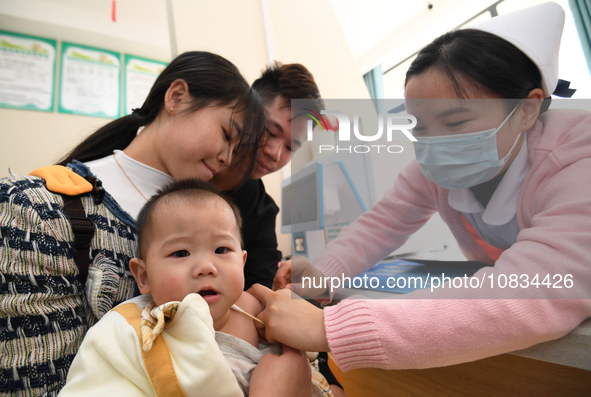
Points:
(181, 253)
(222, 250)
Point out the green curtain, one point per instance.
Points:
(581, 10)
(374, 80)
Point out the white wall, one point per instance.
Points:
(232, 29)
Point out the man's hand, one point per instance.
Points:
(290, 320)
(286, 375)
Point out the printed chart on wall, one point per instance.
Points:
(90, 81)
(140, 74)
(27, 70)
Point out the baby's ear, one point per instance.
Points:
(243, 257)
(138, 269)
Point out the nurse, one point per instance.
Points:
(510, 179)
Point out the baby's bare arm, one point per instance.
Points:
(241, 325)
(249, 304)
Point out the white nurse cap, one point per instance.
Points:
(536, 31)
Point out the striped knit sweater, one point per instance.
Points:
(44, 309)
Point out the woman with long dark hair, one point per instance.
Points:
(199, 116)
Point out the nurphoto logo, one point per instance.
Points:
(395, 123)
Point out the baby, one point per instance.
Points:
(193, 317)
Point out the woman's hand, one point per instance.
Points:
(290, 320)
(286, 375)
(302, 275)
(283, 275)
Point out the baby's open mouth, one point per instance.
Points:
(210, 295)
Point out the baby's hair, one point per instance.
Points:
(188, 189)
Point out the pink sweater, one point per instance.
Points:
(554, 216)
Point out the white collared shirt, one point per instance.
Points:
(497, 223)
(147, 179)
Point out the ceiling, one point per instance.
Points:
(367, 23)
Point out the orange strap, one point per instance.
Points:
(492, 251)
(60, 179)
(157, 360)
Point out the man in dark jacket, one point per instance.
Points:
(277, 86)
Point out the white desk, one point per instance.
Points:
(573, 350)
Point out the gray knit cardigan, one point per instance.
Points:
(44, 309)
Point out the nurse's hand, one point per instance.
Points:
(290, 320)
(286, 375)
(293, 271)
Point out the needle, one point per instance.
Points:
(248, 314)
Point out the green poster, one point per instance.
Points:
(27, 70)
(140, 74)
(90, 81)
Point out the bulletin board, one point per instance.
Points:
(90, 81)
(140, 74)
(27, 72)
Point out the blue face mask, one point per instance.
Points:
(463, 160)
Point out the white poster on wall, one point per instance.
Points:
(140, 75)
(90, 81)
(27, 69)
